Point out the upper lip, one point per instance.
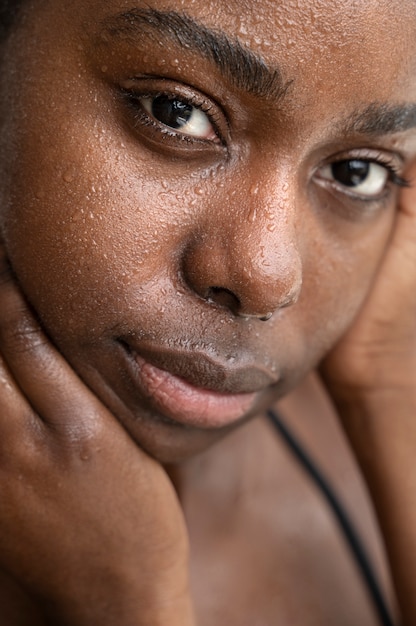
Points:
(204, 371)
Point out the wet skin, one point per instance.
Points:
(152, 254)
(130, 238)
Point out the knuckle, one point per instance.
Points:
(21, 451)
(20, 334)
(75, 437)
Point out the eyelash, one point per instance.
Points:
(394, 177)
(393, 170)
(142, 117)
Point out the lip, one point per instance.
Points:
(194, 390)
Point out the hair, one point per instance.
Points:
(9, 10)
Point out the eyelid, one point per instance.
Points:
(392, 162)
(151, 87)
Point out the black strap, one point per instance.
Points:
(350, 533)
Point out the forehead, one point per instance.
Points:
(372, 41)
(336, 57)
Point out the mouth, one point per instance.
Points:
(193, 389)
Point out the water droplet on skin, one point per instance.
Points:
(104, 68)
(68, 176)
(5, 383)
(271, 228)
(252, 214)
(40, 194)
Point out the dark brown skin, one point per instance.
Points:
(120, 236)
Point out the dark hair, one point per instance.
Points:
(8, 13)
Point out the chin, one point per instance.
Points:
(171, 443)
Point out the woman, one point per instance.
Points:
(201, 204)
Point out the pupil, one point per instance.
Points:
(350, 173)
(173, 113)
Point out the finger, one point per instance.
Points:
(48, 383)
(397, 274)
(15, 413)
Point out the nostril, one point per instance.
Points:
(223, 297)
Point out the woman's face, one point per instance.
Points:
(172, 172)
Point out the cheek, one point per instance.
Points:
(82, 231)
(339, 269)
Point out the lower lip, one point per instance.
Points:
(189, 405)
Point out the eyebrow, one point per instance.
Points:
(381, 119)
(242, 67)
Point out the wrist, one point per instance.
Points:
(123, 609)
(120, 596)
(373, 415)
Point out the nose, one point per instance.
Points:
(246, 258)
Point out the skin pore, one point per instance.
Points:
(196, 200)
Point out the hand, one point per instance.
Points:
(371, 376)
(379, 350)
(89, 524)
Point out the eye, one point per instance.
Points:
(179, 115)
(364, 178)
